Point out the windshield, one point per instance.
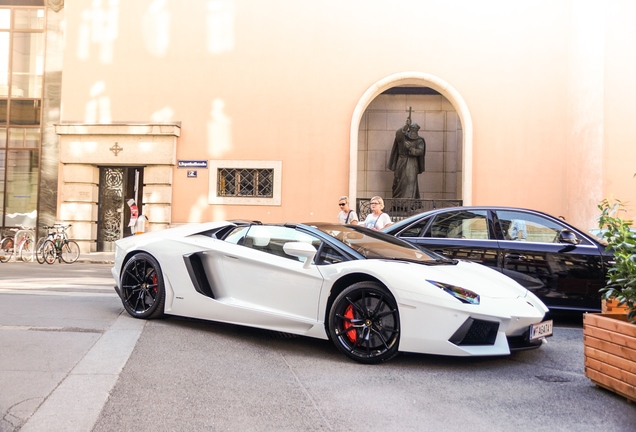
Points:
(376, 245)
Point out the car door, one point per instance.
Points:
(533, 252)
(263, 277)
(458, 234)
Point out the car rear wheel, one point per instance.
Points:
(364, 323)
(142, 289)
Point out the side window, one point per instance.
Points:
(460, 225)
(520, 226)
(237, 235)
(330, 255)
(415, 230)
(271, 239)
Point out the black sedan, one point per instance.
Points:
(562, 265)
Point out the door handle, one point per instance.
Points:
(516, 257)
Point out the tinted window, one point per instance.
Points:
(520, 226)
(460, 224)
(375, 245)
(330, 255)
(416, 229)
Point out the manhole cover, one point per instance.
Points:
(553, 378)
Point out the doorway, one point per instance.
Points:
(117, 185)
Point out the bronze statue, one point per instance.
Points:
(407, 160)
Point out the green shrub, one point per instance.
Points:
(621, 276)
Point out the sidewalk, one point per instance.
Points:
(97, 258)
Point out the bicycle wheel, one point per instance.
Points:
(70, 252)
(39, 250)
(6, 249)
(49, 252)
(26, 250)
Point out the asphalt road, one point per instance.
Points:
(70, 360)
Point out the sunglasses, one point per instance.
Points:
(342, 204)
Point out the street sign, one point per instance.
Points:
(192, 164)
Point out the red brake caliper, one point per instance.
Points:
(351, 334)
(154, 282)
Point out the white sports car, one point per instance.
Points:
(370, 293)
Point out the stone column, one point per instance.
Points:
(79, 203)
(157, 199)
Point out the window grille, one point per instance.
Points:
(245, 182)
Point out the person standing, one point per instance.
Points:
(377, 219)
(346, 215)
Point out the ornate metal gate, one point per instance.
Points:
(116, 186)
(110, 226)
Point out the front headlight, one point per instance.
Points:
(461, 294)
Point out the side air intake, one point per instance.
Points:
(476, 332)
(197, 274)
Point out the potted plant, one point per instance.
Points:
(621, 277)
(610, 339)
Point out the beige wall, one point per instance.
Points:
(549, 131)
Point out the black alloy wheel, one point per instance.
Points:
(142, 289)
(364, 323)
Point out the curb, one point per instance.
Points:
(95, 261)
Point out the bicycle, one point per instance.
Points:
(24, 250)
(57, 246)
(39, 247)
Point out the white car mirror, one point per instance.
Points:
(300, 250)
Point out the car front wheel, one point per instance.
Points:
(142, 289)
(364, 323)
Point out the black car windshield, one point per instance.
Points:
(376, 245)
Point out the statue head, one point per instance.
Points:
(413, 131)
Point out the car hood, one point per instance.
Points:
(465, 274)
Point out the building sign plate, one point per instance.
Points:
(192, 164)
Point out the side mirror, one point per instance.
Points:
(300, 250)
(567, 236)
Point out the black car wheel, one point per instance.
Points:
(142, 290)
(364, 323)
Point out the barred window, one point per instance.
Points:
(245, 182)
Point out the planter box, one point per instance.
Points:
(611, 307)
(610, 353)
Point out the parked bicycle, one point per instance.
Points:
(57, 246)
(18, 241)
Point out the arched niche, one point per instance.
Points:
(409, 79)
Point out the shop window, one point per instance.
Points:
(25, 112)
